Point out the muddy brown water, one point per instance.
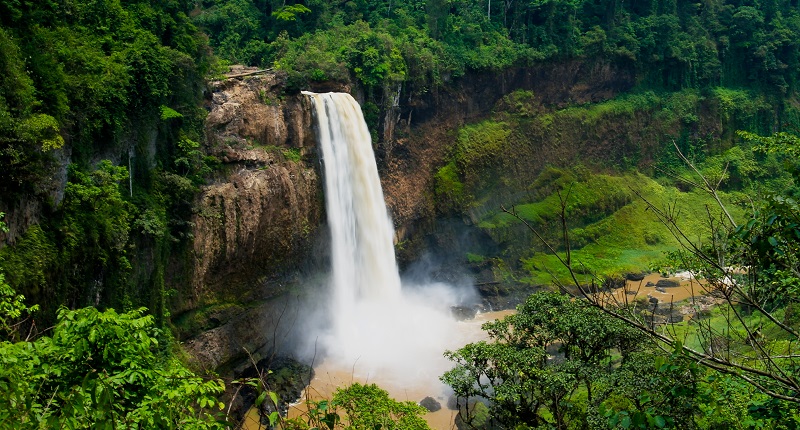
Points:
(330, 376)
(688, 287)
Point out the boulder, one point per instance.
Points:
(430, 404)
(614, 283)
(668, 283)
(463, 313)
(634, 276)
(284, 376)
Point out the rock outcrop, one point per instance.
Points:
(256, 221)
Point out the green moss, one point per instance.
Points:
(448, 188)
(625, 105)
(27, 264)
(478, 144)
(205, 318)
(292, 154)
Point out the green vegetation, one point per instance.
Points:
(669, 45)
(562, 363)
(604, 162)
(731, 365)
(102, 369)
(359, 406)
(81, 82)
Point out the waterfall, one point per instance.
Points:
(362, 252)
(373, 321)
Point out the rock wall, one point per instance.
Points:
(426, 125)
(257, 219)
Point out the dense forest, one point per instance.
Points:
(102, 155)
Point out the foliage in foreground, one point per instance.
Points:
(102, 370)
(360, 406)
(561, 363)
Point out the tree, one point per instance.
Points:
(360, 406)
(523, 384)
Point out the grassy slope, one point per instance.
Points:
(579, 156)
(627, 239)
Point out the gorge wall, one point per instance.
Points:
(254, 223)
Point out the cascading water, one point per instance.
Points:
(361, 231)
(376, 326)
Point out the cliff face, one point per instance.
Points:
(424, 131)
(257, 217)
(255, 223)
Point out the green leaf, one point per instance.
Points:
(261, 398)
(169, 113)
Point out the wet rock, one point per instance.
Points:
(668, 283)
(430, 404)
(452, 402)
(652, 300)
(284, 376)
(674, 318)
(258, 217)
(634, 276)
(463, 313)
(649, 284)
(475, 416)
(614, 283)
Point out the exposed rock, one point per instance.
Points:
(463, 313)
(635, 276)
(261, 330)
(452, 402)
(260, 215)
(257, 223)
(430, 404)
(426, 122)
(254, 223)
(614, 283)
(284, 376)
(668, 283)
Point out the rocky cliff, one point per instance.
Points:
(255, 222)
(424, 132)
